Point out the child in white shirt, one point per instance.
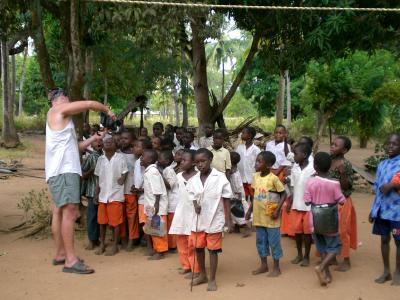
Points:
(182, 223)
(165, 160)
(248, 154)
(155, 200)
(111, 168)
(210, 192)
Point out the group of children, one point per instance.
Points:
(199, 191)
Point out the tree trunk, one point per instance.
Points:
(13, 80)
(9, 134)
(21, 84)
(363, 141)
(200, 85)
(322, 124)
(184, 91)
(87, 93)
(223, 80)
(40, 45)
(288, 100)
(76, 68)
(280, 99)
(176, 105)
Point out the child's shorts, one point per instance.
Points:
(266, 239)
(142, 215)
(211, 241)
(300, 221)
(111, 213)
(386, 227)
(327, 243)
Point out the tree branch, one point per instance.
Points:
(228, 97)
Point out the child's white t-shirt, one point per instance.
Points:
(237, 185)
(153, 184)
(298, 181)
(130, 161)
(108, 172)
(183, 219)
(170, 176)
(212, 217)
(138, 178)
(248, 157)
(279, 151)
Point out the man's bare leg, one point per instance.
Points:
(69, 215)
(56, 230)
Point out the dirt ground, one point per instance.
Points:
(26, 271)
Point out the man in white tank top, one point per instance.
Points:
(63, 171)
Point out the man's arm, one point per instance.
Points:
(76, 107)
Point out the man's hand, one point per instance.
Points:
(386, 188)
(111, 114)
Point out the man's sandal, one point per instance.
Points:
(78, 268)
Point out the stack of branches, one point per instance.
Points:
(9, 169)
(37, 215)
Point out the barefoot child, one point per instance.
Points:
(342, 170)
(323, 195)
(385, 212)
(209, 190)
(131, 202)
(165, 160)
(89, 183)
(155, 200)
(182, 223)
(238, 194)
(248, 153)
(112, 170)
(299, 214)
(269, 195)
(280, 148)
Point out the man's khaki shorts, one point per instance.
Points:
(65, 189)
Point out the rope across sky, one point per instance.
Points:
(254, 7)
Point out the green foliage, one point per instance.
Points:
(372, 162)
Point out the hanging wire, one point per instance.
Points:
(253, 7)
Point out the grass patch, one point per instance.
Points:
(22, 151)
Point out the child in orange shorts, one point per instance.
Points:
(111, 168)
(209, 190)
(155, 201)
(299, 212)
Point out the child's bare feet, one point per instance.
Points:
(262, 269)
(101, 249)
(212, 286)
(275, 272)
(396, 278)
(156, 256)
(328, 276)
(320, 276)
(297, 260)
(202, 278)
(111, 251)
(90, 245)
(383, 278)
(184, 271)
(344, 266)
(129, 247)
(305, 262)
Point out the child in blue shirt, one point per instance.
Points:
(385, 212)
